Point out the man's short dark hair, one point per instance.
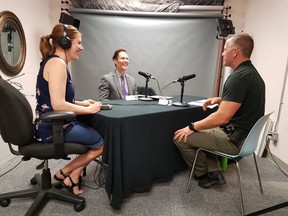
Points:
(116, 53)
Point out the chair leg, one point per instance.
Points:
(192, 170)
(258, 174)
(239, 186)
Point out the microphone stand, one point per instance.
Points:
(146, 91)
(181, 103)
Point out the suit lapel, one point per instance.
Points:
(129, 85)
(117, 84)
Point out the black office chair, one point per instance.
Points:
(16, 129)
(142, 91)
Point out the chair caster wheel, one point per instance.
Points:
(33, 181)
(5, 202)
(79, 206)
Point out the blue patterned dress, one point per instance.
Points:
(43, 130)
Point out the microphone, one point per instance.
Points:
(184, 78)
(146, 75)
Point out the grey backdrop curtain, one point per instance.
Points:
(167, 46)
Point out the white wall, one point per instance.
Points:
(37, 18)
(266, 21)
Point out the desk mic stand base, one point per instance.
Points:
(181, 104)
(145, 99)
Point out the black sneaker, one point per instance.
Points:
(210, 179)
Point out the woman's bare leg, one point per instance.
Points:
(76, 166)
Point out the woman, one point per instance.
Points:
(54, 91)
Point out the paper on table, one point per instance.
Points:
(131, 97)
(201, 102)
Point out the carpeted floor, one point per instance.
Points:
(167, 199)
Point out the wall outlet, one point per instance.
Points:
(273, 135)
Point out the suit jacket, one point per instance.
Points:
(110, 87)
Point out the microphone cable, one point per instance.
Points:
(99, 176)
(158, 86)
(168, 84)
(161, 94)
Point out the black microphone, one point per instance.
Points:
(146, 75)
(184, 78)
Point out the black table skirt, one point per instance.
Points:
(138, 143)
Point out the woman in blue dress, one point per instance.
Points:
(54, 91)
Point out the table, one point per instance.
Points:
(138, 143)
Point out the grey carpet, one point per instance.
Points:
(167, 199)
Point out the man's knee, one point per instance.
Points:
(180, 145)
(176, 142)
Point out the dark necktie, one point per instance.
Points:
(124, 93)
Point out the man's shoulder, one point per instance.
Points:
(109, 75)
(129, 77)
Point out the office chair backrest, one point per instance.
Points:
(16, 117)
(251, 141)
(142, 91)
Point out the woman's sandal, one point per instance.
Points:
(73, 184)
(59, 179)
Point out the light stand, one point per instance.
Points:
(181, 103)
(146, 91)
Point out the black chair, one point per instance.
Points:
(16, 129)
(142, 91)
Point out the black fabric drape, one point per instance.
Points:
(138, 144)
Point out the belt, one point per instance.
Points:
(235, 134)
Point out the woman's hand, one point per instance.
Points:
(94, 107)
(86, 102)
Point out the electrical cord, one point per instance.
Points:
(161, 94)
(168, 85)
(99, 175)
(98, 180)
(12, 168)
(275, 162)
(278, 206)
(158, 86)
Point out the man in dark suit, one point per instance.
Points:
(118, 84)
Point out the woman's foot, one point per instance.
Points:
(72, 186)
(60, 176)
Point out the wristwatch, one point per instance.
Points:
(191, 127)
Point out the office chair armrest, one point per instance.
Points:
(57, 118)
(58, 115)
